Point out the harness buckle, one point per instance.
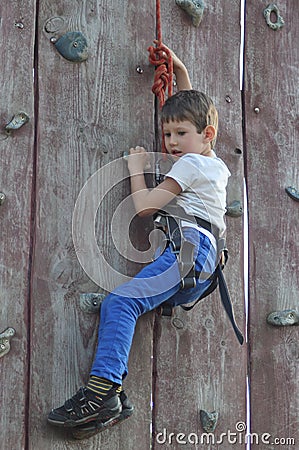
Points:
(187, 265)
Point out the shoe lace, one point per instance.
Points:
(77, 401)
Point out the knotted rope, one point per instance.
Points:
(164, 67)
(163, 78)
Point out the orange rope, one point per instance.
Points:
(164, 66)
(163, 78)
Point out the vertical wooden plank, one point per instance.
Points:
(271, 137)
(89, 113)
(199, 363)
(17, 29)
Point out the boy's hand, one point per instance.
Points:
(137, 160)
(180, 70)
(177, 63)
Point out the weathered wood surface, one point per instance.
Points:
(89, 113)
(199, 364)
(16, 177)
(272, 155)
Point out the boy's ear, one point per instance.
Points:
(210, 133)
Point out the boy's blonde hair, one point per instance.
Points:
(194, 106)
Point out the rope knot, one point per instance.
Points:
(161, 58)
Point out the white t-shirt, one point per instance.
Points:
(203, 181)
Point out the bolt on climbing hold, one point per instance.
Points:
(272, 8)
(5, 338)
(72, 46)
(283, 318)
(208, 420)
(194, 8)
(91, 302)
(256, 110)
(293, 193)
(17, 121)
(139, 70)
(235, 209)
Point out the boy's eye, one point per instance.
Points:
(167, 134)
(181, 133)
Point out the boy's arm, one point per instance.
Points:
(181, 73)
(146, 201)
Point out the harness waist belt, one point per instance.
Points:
(204, 224)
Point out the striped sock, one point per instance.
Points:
(101, 386)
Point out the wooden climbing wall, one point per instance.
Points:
(16, 175)
(87, 111)
(199, 363)
(82, 117)
(271, 117)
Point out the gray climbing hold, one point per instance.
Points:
(72, 46)
(91, 302)
(194, 8)
(17, 121)
(208, 420)
(235, 209)
(283, 318)
(273, 9)
(293, 193)
(5, 338)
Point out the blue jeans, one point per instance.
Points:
(156, 283)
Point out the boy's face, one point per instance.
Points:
(182, 138)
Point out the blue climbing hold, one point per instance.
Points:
(73, 46)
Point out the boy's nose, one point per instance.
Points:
(172, 140)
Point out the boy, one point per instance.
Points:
(197, 181)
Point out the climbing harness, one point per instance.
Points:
(170, 223)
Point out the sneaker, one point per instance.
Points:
(96, 426)
(85, 406)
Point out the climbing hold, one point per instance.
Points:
(91, 303)
(17, 121)
(5, 338)
(208, 420)
(272, 8)
(194, 8)
(72, 46)
(235, 209)
(284, 318)
(292, 192)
